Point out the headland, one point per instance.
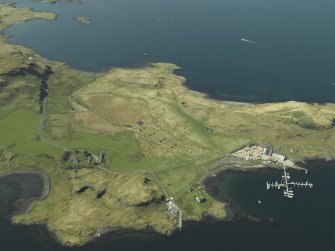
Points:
(128, 148)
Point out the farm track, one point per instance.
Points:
(96, 110)
(156, 138)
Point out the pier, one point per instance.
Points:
(286, 184)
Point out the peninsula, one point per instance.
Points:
(129, 148)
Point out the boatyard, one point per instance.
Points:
(266, 155)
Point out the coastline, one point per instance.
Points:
(178, 72)
(30, 202)
(175, 71)
(234, 213)
(32, 19)
(113, 230)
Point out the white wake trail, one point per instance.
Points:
(251, 42)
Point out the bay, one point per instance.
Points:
(287, 51)
(18, 190)
(303, 223)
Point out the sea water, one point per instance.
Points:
(259, 50)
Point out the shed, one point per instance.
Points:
(279, 156)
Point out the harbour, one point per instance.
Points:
(287, 184)
(292, 220)
(289, 68)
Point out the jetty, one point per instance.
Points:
(286, 184)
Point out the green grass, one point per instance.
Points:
(12, 15)
(172, 149)
(19, 130)
(122, 149)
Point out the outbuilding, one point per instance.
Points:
(279, 156)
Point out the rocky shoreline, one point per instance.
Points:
(234, 213)
(25, 205)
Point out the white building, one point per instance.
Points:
(279, 156)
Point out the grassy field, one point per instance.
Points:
(159, 139)
(19, 130)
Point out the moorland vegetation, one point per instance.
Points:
(119, 145)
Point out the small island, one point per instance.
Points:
(83, 20)
(130, 148)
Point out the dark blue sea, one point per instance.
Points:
(304, 223)
(243, 50)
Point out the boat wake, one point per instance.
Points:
(251, 42)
